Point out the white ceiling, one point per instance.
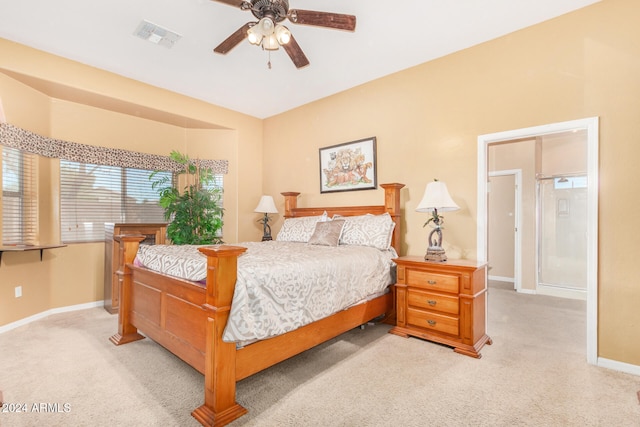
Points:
(390, 36)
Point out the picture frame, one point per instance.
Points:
(349, 166)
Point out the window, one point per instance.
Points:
(216, 183)
(19, 197)
(570, 182)
(92, 195)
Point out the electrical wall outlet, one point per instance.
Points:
(18, 291)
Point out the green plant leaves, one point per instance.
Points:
(195, 214)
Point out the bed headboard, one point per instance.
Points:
(391, 205)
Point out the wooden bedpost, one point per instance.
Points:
(392, 205)
(290, 203)
(220, 405)
(128, 248)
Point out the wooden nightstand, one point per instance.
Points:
(444, 302)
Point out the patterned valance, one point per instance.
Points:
(15, 137)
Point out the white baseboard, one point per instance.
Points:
(619, 366)
(501, 279)
(44, 314)
(555, 291)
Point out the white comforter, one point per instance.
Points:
(284, 285)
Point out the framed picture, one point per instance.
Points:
(349, 166)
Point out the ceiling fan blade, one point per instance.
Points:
(295, 53)
(323, 19)
(233, 40)
(236, 3)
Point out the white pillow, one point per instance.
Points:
(368, 230)
(298, 229)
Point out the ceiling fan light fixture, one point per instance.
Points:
(266, 26)
(270, 43)
(254, 37)
(283, 34)
(268, 33)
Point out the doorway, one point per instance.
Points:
(505, 221)
(590, 126)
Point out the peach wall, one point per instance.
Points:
(565, 153)
(224, 144)
(24, 269)
(427, 120)
(83, 124)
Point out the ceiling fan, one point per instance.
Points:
(269, 33)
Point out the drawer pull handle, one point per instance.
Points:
(431, 322)
(431, 302)
(431, 282)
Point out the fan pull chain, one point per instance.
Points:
(269, 63)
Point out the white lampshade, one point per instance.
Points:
(436, 196)
(266, 205)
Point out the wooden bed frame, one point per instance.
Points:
(189, 319)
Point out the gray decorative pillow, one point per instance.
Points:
(298, 229)
(327, 233)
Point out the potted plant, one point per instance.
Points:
(194, 214)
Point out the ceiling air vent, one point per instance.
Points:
(156, 34)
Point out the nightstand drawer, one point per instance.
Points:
(429, 301)
(432, 281)
(433, 321)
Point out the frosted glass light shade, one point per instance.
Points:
(283, 34)
(254, 37)
(266, 26)
(270, 42)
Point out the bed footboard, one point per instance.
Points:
(158, 305)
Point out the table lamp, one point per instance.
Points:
(436, 198)
(266, 206)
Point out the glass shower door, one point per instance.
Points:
(562, 234)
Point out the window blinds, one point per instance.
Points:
(19, 197)
(92, 195)
(217, 183)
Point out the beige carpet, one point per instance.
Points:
(535, 374)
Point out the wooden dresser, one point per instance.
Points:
(444, 302)
(154, 234)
